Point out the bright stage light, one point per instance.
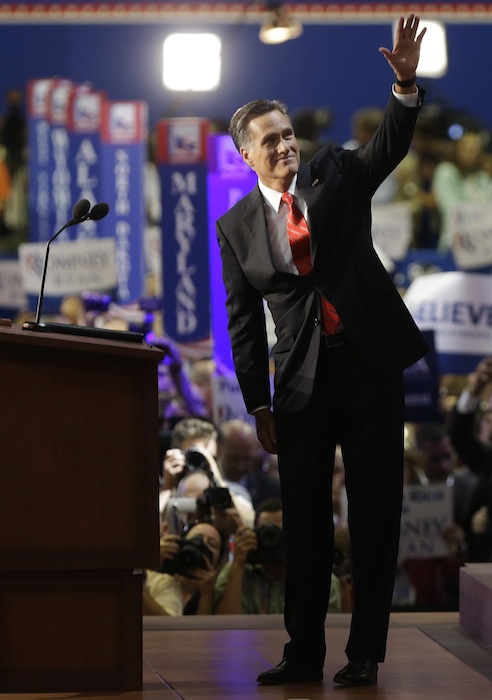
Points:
(192, 62)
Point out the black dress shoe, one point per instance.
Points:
(287, 672)
(358, 673)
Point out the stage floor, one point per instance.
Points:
(218, 658)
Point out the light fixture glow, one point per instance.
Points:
(191, 62)
(279, 28)
(433, 61)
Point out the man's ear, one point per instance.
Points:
(246, 157)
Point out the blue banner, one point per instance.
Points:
(123, 153)
(60, 168)
(39, 150)
(85, 117)
(181, 155)
(422, 383)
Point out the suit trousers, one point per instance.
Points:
(363, 412)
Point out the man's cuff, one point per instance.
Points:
(408, 99)
(260, 408)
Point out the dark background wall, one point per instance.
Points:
(333, 66)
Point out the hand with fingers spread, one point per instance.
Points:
(404, 58)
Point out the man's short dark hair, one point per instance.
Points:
(239, 124)
(269, 505)
(192, 428)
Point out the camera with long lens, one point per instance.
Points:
(195, 460)
(213, 497)
(270, 545)
(192, 554)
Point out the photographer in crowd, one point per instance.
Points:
(470, 431)
(192, 453)
(190, 564)
(253, 582)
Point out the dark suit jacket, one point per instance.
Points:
(337, 186)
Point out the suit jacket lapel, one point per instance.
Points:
(317, 195)
(255, 222)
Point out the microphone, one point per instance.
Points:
(97, 212)
(79, 210)
(80, 213)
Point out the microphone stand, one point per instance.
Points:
(80, 213)
(45, 266)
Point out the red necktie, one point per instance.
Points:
(298, 233)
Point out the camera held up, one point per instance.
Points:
(270, 545)
(195, 460)
(192, 554)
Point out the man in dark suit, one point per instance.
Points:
(338, 374)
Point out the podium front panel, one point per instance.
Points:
(79, 454)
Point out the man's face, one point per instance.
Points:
(273, 152)
(211, 538)
(272, 517)
(237, 456)
(440, 459)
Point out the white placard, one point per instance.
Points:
(470, 231)
(227, 399)
(427, 511)
(457, 306)
(73, 266)
(392, 228)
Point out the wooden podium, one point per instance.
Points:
(78, 509)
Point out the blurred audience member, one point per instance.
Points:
(462, 178)
(339, 492)
(263, 481)
(13, 130)
(253, 582)
(309, 124)
(342, 568)
(193, 448)
(237, 449)
(435, 580)
(470, 433)
(190, 565)
(178, 397)
(195, 433)
(5, 187)
(72, 310)
(200, 373)
(13, 168)
(430, 145)
(440, 464)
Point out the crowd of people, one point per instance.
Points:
(219, 476)
(457, 453)
(220, 499)
(221, 526)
